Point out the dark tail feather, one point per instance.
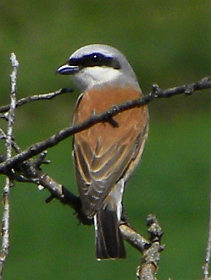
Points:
(109, 241)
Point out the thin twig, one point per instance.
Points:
(37, 97)
(15, 146)
(208, 249)
(134, 238)
(9, 182)
(104, 117)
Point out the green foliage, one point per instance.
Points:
(166, 42)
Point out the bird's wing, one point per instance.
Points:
(99, 167)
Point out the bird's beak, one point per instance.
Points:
(67, 69)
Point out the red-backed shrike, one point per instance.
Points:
(104, 155)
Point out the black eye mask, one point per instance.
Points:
(94, 59)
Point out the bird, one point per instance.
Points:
(106, 154)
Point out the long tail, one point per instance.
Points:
(109, 241)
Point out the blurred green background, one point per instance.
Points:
(166, 42)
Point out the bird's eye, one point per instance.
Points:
(95, 57)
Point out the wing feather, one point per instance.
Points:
(100, 171)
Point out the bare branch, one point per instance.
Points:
(104, 117)
(208, 249)
(151, 256)
(150, 250)
(37, 97)
(134, 238)
(9, 182)
(3, 136)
